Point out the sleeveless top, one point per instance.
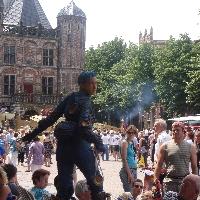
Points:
(131, 156)
(177, 158)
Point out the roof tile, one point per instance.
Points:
(29, 12)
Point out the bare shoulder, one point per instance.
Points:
(193, 147)
(124, 143)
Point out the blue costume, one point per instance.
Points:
(77, 151)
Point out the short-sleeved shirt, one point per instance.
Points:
(39, 193)
(111, 139)
(13, 144)
(162, 138)
(116, 140)
(105, 139)
(37, 152)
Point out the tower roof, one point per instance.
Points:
(29, 12)
(72, 9)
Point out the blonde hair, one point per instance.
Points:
(147, 195)
(162, 123)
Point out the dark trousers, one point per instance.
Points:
(21, 157)
(80, 154)
(106, 147)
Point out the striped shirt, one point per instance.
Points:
(177, 158)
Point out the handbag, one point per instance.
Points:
(65, 130)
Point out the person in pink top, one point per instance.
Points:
(36, 155)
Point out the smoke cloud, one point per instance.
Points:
(146, 98)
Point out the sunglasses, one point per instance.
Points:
(176, 130)
(131, 133)
(138, 186)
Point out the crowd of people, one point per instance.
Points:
(167, 156)
(170, 159)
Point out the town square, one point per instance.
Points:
(99, 100)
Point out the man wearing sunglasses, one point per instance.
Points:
(137, 188)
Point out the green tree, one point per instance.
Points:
(105, 55)
(193, 91)
(101, 60)
(126, 85)
(193, 85)
(173, 62)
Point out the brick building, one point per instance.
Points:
(37, 62)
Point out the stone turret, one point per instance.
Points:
(146, 38)
(71, 26)
(151, 34)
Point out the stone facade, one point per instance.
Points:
(38, 61)
(148, 38)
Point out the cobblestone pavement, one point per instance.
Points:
(112, 183)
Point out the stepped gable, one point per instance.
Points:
(72, 9)
(27, 12)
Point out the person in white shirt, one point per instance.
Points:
(111, 140)
(160, 127)
(105, 138)
(116, 143)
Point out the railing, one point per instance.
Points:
(37, 31)
(31, 99)
(5, 99)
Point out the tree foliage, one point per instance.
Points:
(193, 86)
(173, 62)
(193, 91)
(131, 77)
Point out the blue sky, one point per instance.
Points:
(126, 18)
